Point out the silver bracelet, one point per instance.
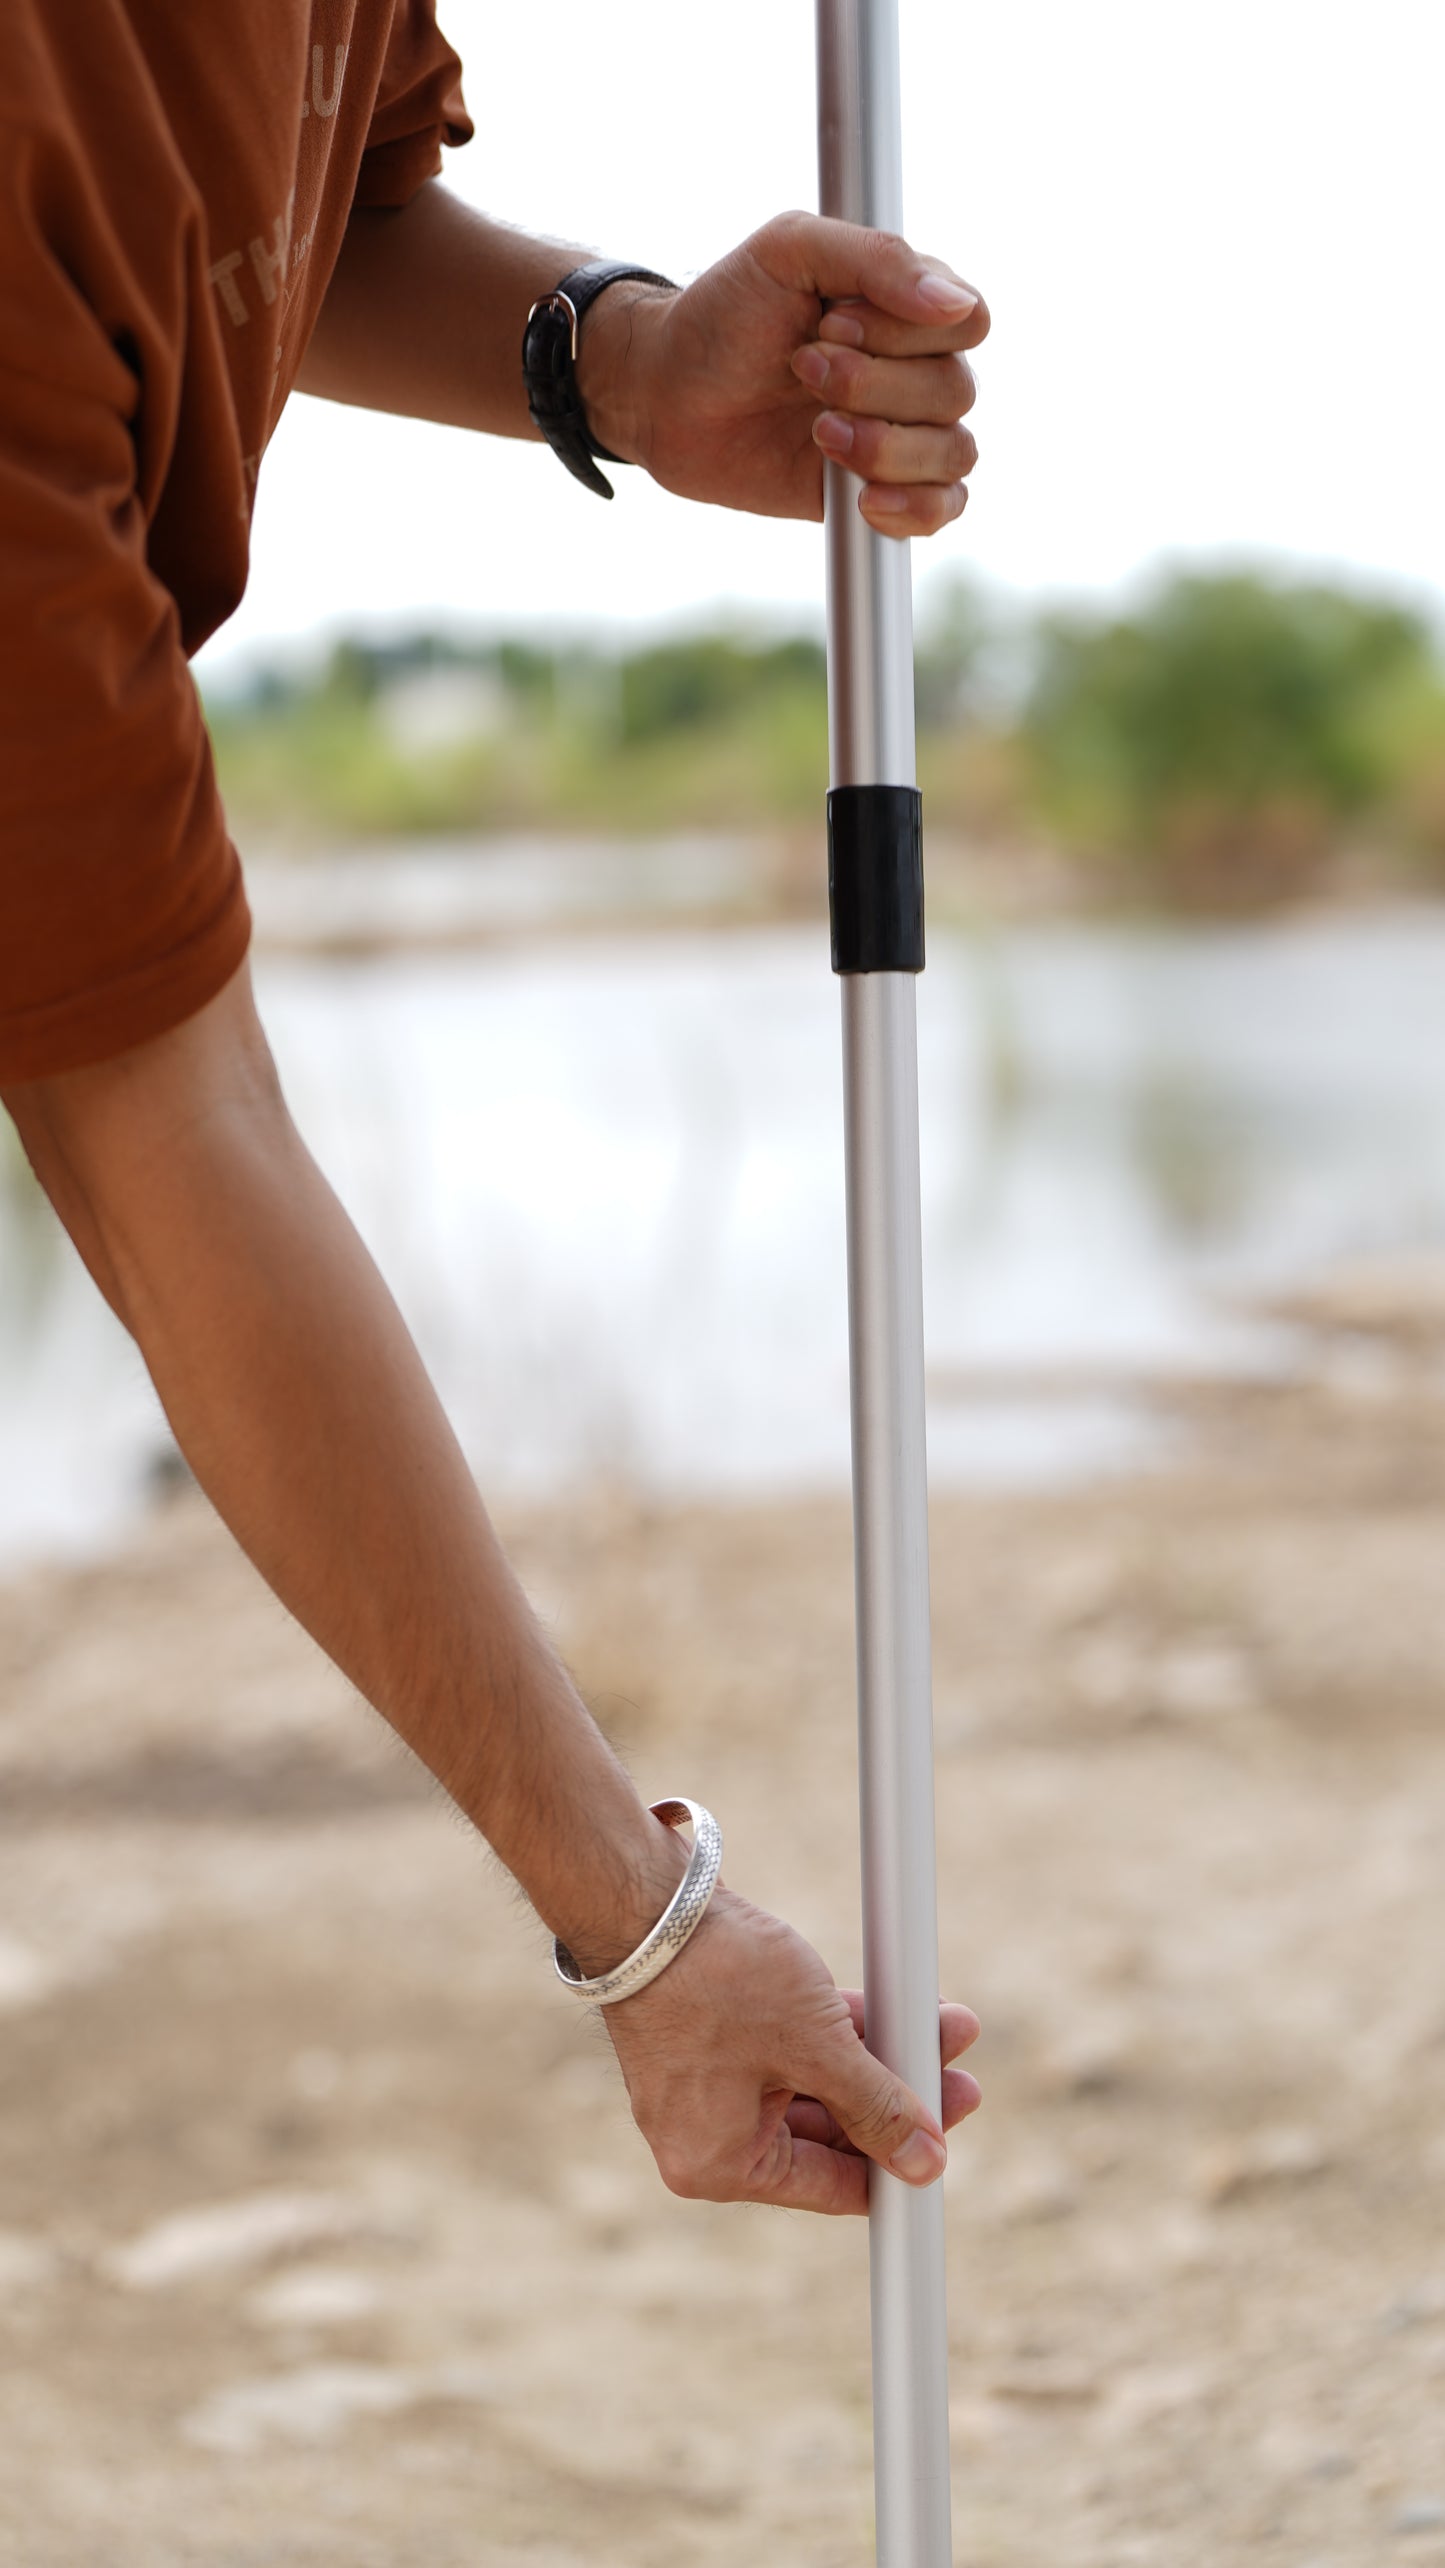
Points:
(681, 1917)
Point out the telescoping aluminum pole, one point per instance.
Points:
(875, 878)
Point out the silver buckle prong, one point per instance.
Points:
(558, 302)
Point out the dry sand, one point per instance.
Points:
(324, 2235)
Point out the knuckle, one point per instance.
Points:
(849, 374)
(680, 2173)
(878, 2120)
(873, 450)
(935, 506)
(965, 451)
(965, 388)
(782, 240)
(881, 245)
(694, 2176)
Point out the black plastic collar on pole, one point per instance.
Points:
(875, 877)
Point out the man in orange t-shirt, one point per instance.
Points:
(199, 210)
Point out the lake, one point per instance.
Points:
(603, 1175)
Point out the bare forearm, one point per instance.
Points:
(299, 1399)
(425, 312)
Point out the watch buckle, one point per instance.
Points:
(563, 305)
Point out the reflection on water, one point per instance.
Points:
(1192, 1148)
(604, 1179)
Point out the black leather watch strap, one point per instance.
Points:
(549, 359)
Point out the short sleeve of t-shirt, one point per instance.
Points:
(121, 904)
(419, 107)
(167, 229)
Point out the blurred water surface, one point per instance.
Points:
(603, 1176)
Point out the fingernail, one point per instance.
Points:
(812, 368)
(887, 503)
(842, 329)
(947, 295)
(921, 2160)
(834, 434)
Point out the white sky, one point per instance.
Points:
(1212, 241)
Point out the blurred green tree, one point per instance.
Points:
(1220, 736)
(692, 683)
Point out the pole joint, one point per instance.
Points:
(875, 877)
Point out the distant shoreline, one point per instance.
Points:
(353, 898)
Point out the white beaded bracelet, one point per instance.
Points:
(681, 1917)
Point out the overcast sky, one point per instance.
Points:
(1213, 241)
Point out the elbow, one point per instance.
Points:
(101, 1139)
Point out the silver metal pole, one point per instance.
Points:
(871, 728)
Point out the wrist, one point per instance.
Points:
(609, 1916)
(614, 363)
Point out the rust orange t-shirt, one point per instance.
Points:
(175, 182)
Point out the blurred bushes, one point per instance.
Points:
(1225, 739)
(386, 740)
(1219, 745)
(710, 681)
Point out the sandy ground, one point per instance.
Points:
(324, 2235)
